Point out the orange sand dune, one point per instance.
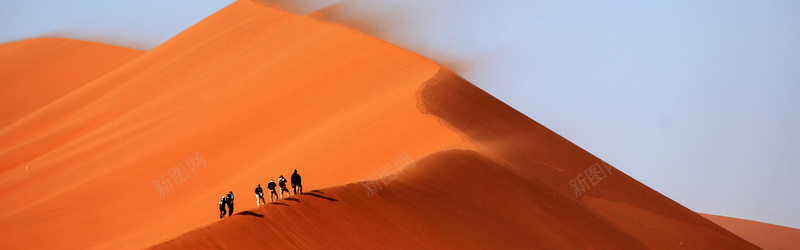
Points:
(253, 92)
(450, 199)
(256, 92)
(38, 71)
(764, 235)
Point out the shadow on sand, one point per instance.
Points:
(250, 214)
(278, 203)
(314, 193)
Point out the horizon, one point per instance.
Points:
(719, 112)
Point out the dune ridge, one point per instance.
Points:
(436, 204)
(140, 155)
(510, 191)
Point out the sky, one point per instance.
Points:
(700, 100)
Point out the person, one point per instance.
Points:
(260, 196)
(222, 202)
(271, 187)
(296, 185)
(282, 184)
(230, 203)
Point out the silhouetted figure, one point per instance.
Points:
(271, 186)
(222, 202)
(282, 184)
(230, 203)
(296, 183)
(260, 196)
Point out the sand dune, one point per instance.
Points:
(141, 154)
(255, 92)
(38, 71)
(764, 235)
(451, 199)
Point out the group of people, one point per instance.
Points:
(297, 187)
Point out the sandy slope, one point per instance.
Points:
(764, 235)
(451, 199)
(511, 191)
(38, 71)
(252, 92)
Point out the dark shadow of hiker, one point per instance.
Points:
(250, 214)
(317, 191)
(292, 199)
(319, 196)
(278, 203)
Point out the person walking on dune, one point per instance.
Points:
(271, 186)
(282, 184)
(222, 202)
(260, 196)
(230, 203)
(296, 185)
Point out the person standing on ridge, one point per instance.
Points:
(296, 185)
(271, 187)
(230, 203)
(282, 184)
(260, 196)
(222, 202)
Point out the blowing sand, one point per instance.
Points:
(137, 151)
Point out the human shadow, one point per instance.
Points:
(319, 196)
(278, 203)
(317, 191)
(250, 214)
(292, 199)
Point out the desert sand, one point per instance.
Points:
(38, 71)
(399, 151)
(764, 235)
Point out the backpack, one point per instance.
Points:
(230, 198)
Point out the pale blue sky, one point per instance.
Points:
(699, 100)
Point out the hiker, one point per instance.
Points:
(230, 203)
(271, 187)
(222, 202)
(296, 185)
(282, 184)
(260, 196)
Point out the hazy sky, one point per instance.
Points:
(699, 100)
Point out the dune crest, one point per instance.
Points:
(439, 203)
(140, 155)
